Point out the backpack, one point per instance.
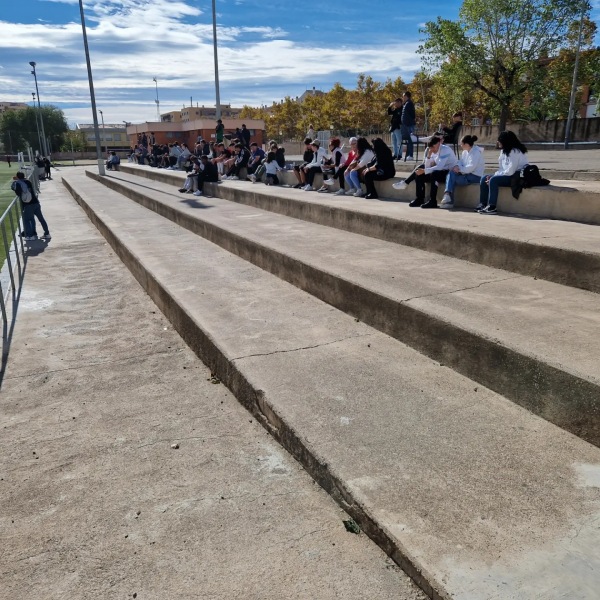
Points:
(26, 195)
(530, 177)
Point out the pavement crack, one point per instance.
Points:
(471, 287)
(195, 437)
(349, 337)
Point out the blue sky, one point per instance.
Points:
(267, 50)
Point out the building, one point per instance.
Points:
(6, 106)
(193, 113)
(112, 136)
(187, 132)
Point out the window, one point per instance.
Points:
(117, 137)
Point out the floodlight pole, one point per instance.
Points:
(157, 102)
(37, 91)
(37, 125)
(101, 170)
(218, 94)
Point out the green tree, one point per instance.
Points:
(74, 139)
(496, 45)
(19, 128)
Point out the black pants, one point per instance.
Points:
(370, 178)
(202, 178)
(433, 178)
(310, 176)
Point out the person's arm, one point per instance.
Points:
(512, 163)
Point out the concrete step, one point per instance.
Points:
(490, 325)
(474, 496)
(559, 251)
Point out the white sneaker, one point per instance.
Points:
(447, 200)
(359, 194)
(400, 185)
(307, 188)
(340, 192)
(197, 193)
(252, 178)
(323, 190)
(234, 178)
(408, 158)
(329, 181)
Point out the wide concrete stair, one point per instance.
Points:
(450, 406)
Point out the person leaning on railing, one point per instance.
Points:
(30, 206)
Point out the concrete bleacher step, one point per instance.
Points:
(559, 251)
(498, 328)
(472, 495)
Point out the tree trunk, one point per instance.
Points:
(504, 114)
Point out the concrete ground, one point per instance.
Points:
(96, 501)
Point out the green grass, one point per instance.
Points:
(6, 197)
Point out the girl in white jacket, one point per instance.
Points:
(470, 169)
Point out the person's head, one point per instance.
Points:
(468, 141)
(434, 143)
(310, 127)
(352, 141)
(362, 145)
(20, 175)
(457, 116)
(271, 156)
(219, 121)
(315, 145)
(243, 126)
(406, 96)
(380, 147)
(307, 141)
(334, 143)
(204, 159)
(273, 145)
(398, 102)
(253, 146)
(238, 147)
(508, 141)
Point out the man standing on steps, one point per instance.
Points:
(408, 125)
(219, 132)
(395, 112)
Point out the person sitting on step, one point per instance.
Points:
(208, 173)
(271, 169)
(332, 165)
(306, 159)
(513, 157)
(439, 160)
(242, 156)
(470, 169)
(364, 157)
(383, 168)
(314, 167)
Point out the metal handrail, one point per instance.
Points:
(14, 264)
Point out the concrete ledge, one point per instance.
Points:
(559, 395)
(484, 243)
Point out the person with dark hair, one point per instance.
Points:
(395, 112)
(409, 120)
(383, 168)
(332, 165)
(242, 156)
(219, 132)
(30, 207)
(470, 169)
(208, 172)
(271, 169)
(257, 155)
(512, 159)
(439, 160)
(245, 135)
(47, 167)
(451, 133)
(306, 159)
(364, 157)
(339, 174)
(314, 166)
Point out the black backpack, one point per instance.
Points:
(530, 177)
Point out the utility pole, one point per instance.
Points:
(218, 94)
(157, 102)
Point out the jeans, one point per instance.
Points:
(397, 142)
(488, 194)
(30, 211)
(407, 131)
(353, 180)
(459, 179)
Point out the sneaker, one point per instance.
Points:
(46, 236)
(429, 204)
(416, 202)
(189, 191)
(359, 194)
(307, 188)
(372, 197)
(297, 186)
(197, 193)
(30, 238)
(488, 210)
(234, 178)
(408, 158)
(447, 199)
(400, 185)
(323, 190)
(182, 191)
(329, 181)
(252, 178)
(340, 192)
(479, 207)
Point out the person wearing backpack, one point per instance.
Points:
(30, 206)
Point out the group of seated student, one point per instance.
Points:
(203, 170)
(441, 166)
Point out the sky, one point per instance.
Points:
(267, 50)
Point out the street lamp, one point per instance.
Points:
(214, 12)
(37, 125)
(37, 91)
(104, 133)
(157, 102)
(101, 170)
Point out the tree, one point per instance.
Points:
(19, 128)
(496, 45)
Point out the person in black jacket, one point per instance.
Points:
(395, 112)
(409, 120)
(30, 206)
(382, 168)
(208, 172)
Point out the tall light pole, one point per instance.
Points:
(37, 91)
(157, 102)
(101, 170)
(218, 94)
(104, 133)
(37, 125)
(584, 6)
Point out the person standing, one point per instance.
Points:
(219, 132)
(245, 133)
(47, 167)
(30, 206)
(395, 112)
(8, 160)
(408, 124)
